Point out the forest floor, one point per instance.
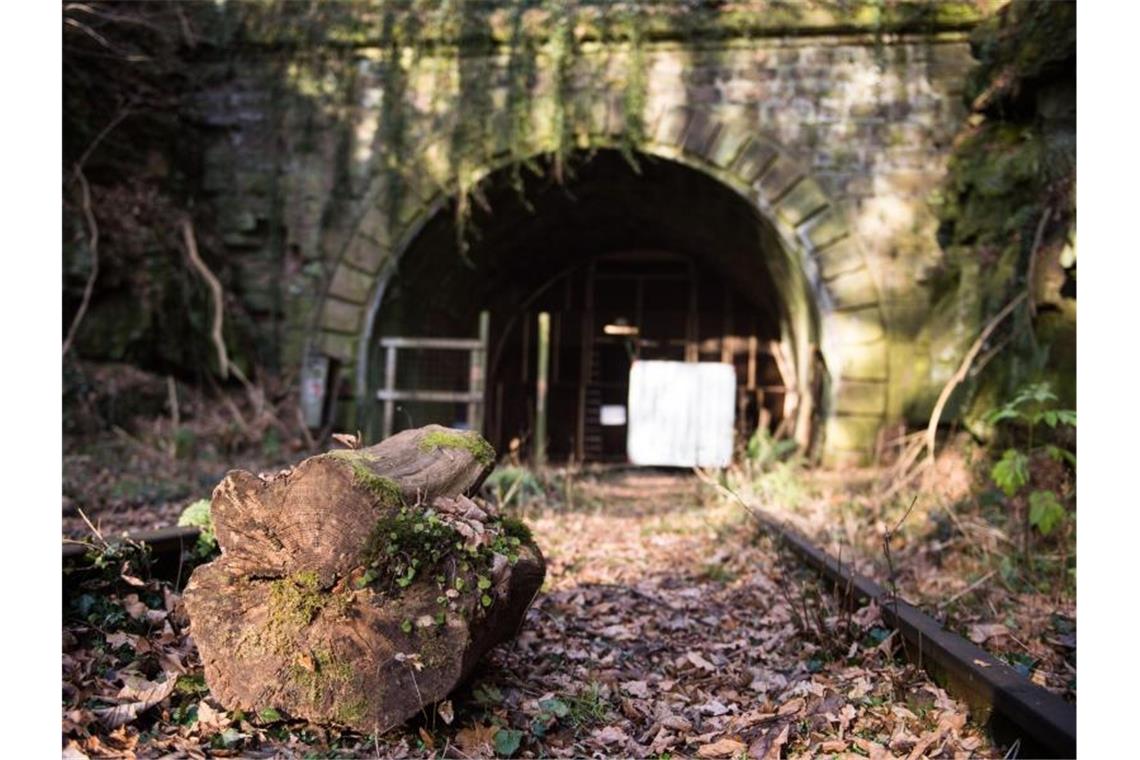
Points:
(668, 626)
(957, 551)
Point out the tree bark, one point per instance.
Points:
(302, 612)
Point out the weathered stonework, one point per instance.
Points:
(836, 137)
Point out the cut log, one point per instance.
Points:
(362, 584)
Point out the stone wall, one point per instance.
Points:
(839, 139)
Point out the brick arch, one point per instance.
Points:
(835, 302)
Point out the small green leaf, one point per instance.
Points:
(555, 706)
(268, 715)
(507, 742)
(486, 600)
(487, 694)
(484, 583)
(1060, 454)
(406, 626)
(1045, 512)
(1012, 472)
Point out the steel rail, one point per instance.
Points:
(1010, 705)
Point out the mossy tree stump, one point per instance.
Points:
(360, 585)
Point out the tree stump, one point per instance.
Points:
(362, 584)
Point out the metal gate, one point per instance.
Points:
(472, 396)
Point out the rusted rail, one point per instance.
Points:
(1011, 706)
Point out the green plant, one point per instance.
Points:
(513, 483)
(762, 450)
(1032, 407)
(197, 515)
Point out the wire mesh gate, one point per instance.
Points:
(472, 397)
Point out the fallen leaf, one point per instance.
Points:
(136, 609)
(119, 638)
(981, 632)
(791, 707)
(846, 715)
(446, 711)
(677, 723)
(610, 735)
(73, 752)
(861, 688)
(639, 689)
(696, 659)
(773, 752)
(211, 720)
(476, 740)
(113, 717)
(874, 750)
(722, 748)
(713, 707)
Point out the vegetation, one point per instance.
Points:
(1033, 408)
(469, 441)
(1008, 210)
(197, 515)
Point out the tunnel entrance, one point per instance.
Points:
(632, 262)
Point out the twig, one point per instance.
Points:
(963, 369)
(122, 114)
(93, 246)
(890, 534)
(972, 587)
(215, 291)
(310, 444)
(175, 418)
(1032, 273)
(97, 533)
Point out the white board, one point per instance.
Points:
(681, 414)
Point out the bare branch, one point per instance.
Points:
(215, 291)
(963, 370)
(93, 246)
(1031, 275)
(122, 114)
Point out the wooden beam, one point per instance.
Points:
(470, 397)
(477, 374)
(458, 344)
(541, 389)
(389, 387)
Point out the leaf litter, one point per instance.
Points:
(668, 627)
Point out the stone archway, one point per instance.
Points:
(834, 300)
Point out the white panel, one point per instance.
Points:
(681, 413)
(716, 413)
(613, 415)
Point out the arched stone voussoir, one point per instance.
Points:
(812, 226)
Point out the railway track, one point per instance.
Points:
(1012, 708)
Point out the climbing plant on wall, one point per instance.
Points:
(1008, 210)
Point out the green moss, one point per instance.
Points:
(323, 676)
(386, 491)
(513, 527)
(469, 441)
(294, 603)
